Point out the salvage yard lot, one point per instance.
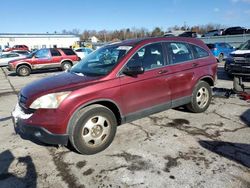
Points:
(174, 148)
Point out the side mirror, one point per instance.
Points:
(133, 71)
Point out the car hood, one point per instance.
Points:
(19, 59)
(62, 82)
(239, 52)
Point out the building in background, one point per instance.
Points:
(37, 41)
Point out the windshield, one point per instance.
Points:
(101, 61)
(245, 46)
(32, 54)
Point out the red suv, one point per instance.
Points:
(45, 58)
(117, 83)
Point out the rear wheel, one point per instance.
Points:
(23, 70)
(66, 65)
(201, 97)
(94, 129)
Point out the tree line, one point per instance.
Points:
(128, 33)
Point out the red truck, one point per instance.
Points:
(45, 58)
(17, 47)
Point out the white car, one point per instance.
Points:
(242, 50)
(6, 57)
(83, 52)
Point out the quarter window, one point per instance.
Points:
(199, 52)
(68, 51)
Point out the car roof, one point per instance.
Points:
(134, 42)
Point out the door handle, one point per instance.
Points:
(163, 71)
(195, 64)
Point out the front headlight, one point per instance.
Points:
(52, 100)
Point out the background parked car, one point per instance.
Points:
(83, 52)
(221, 50)
(239, 60)
(235, 31)
(44, 58)
(216, 32)
(22, 52)
(188, 34)
(6, 57)
(17, 47)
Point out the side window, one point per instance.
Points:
(199, 52)
(43, 53)
(79, 50)
(13, 55)
(89, 51)
(55, 52)
(4, 56)
(149, 57)
(179, 52)
(68, 51)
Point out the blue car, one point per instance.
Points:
(221, 50)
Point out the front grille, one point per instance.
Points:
(240, 68)
(22, 100)
(22, 103)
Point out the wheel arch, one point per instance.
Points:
(208, 79)
(67, 60)
(111, 105)
(24, 63)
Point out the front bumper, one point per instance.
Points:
(40, 133)
(11, 67)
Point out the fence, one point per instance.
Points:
(233, 40)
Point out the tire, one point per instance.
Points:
(66, 65)
(23, 70)
(201, 97)
(221, 58)
(226, 69)
(236, 85)
(93, 129)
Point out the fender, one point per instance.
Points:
(66, 60)
(23, 63)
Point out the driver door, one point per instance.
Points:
(148, 92)
(42, 59)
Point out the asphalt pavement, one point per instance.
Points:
(174, 148)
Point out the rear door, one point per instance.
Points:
(180, 71)
(56, 57)
(147, 92)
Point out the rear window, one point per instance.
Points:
(68, 51)
(210, 46)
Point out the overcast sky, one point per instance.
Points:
(30, 16)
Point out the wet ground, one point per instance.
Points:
(174, 148)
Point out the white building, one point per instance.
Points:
(37, 41)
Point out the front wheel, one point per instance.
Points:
(93, 130)
(201, 97)
(23, 70)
